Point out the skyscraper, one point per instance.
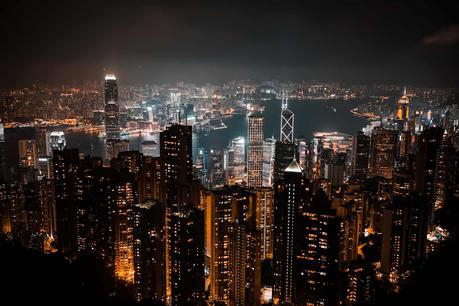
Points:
(404, 234)
(150, 251)
(220, 212)
(285, 149)
(149, 179)
(115, 147)
(235, 245)
(235, 161)
(303, 153)
(287, 121)
(335, 169)
(186, 257)
(255, 151)
(42, 137)
(442, 175)
(124, 241)
(427, 158)
(403, 107)
(112, 115)
(360, 154)
(66, 165)
(360, 282)
(2, 132)
(316, 269)
(382, 154)
(284, 154)
(269, 146)
(39, 209)
(57, 140)
(227, 204)
(112, 108)
(13, 221)
(184, 223)
(177, 166)
(245, 262)
(265, 220)
(3, 164)
(28, 154)
(291, 195)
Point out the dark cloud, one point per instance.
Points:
(152, 41)
(444, 36)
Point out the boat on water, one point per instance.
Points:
(220, 127)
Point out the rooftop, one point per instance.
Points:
(110, 77)
(294, 167)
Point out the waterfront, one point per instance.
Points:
(310, 116)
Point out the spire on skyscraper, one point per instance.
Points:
(284, 100)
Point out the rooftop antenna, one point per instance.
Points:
(284, 99)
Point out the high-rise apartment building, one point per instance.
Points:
(383, 152)
(360, 154)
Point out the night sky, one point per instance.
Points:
(365, 41)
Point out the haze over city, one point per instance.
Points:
(144, 41)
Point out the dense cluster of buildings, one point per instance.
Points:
(336, 220)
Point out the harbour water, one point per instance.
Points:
(310, 116)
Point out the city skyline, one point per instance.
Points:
(229, 154)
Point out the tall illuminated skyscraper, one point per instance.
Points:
(265, 217)
(224, 204)
(184, 223)
(382, 154)
(255, 151)
(42, 138)
(234, 163)
(403, 107)
(124, 241)
(291, 195)
(428, 162)
(66, 165)
(268, 161)
(177, 166)
(112, 116)
(39, 211)
(149, 251)
(404, 231)
(234, 246)
(284, 154)
(360, 154)
(12, 210)
(28, 154)
(287, 121)
(112, 108)
(316, 266)
(3, 164)
(185, 254)
(360, 282)
(285, 148)
(2, 132)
